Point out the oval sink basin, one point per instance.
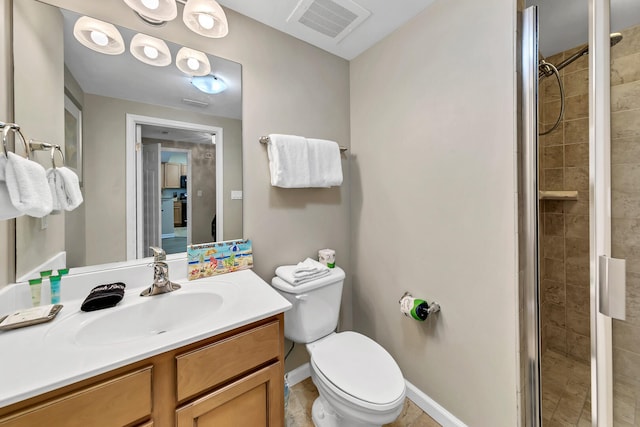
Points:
(152, 316)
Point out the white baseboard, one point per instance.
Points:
(424, 402)
(299, 374)
(432, 408)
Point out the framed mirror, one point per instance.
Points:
(160, 161)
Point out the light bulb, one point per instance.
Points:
(206, 21)
(150, 52)
(151, 4)
(99, 38)
(216, 85)
(193, 63)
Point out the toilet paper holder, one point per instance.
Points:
(417, 308)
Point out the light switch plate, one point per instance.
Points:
(236, 195)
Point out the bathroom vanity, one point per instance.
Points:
(223, 367)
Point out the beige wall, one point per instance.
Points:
(288, 86)
(104, 177)
(39, 110)
(433, 203)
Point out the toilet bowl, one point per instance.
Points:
(358, 381)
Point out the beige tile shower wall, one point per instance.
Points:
(564, 165)
(625, 176)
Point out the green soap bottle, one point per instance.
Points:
(55, 288)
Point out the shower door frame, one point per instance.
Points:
(600, 208)
(529, 244)
(599, 212)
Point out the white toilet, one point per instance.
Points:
(358, 381)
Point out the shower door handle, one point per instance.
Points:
(612, 287)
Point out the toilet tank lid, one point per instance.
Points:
(336, 275)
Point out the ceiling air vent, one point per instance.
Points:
(333, 18)
(195, 103)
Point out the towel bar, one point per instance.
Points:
(44, 146)
(265, 140)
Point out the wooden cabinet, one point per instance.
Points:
(183, 169)
(123, 399)
(177, 214)
(171, 175)
(232, 379)
(253, 400)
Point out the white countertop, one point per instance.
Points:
(41, 358)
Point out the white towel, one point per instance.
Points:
(325, 165)
(67, 188)
(7, 210)
(28, 187)
(51, 179)
(288, 161)
(298, 162)
(308, 268)
(286, 273)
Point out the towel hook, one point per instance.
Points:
(12, 127)
(53, 154)
(45, 146)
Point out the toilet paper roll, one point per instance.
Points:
(327, 257)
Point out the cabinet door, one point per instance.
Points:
(254, 400)
(113, 403)
(172, 175)
(183, 169)
(177, 214)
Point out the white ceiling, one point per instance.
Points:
(386, 16)
(564, 24)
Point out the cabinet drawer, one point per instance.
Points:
(116, 402)
(209, 366)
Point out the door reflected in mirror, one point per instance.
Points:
(112, 95)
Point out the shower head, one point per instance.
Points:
(615, 38)
(545, 71)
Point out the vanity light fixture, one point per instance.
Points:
(204, 17)
(98, 35)
(150, 50)
(209, 84)
(193, 62)
(154, 11)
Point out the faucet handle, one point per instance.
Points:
(158, 253)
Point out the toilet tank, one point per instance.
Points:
(315, 306)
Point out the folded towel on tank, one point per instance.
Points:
(309, 267)
(303, 272)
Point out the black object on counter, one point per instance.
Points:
(103, 296)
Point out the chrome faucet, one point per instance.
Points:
(161, 283)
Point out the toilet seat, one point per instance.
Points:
(359, 368)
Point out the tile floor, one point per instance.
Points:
(303, 394)
(566, 391)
